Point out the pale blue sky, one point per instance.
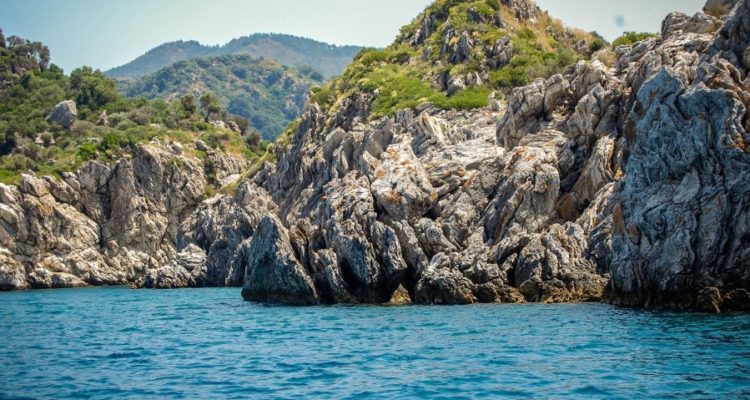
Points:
(107, 34)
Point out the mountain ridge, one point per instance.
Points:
(287, 49)
(263, 91)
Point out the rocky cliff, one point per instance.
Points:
(625, 182)
(105, 225)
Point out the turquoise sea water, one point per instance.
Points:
(207, 343)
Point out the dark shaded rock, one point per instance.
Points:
(273, 273)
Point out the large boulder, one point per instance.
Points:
(64, 114)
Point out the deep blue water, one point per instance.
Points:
(208, 343)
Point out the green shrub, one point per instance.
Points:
(467, 99)
(370, 56)
(9, 176)
(400, 92)
(629, 38)
(86, 152)
(494, 4)
(530, 61)
(598, 43)
(324, 96)
(110, 141)
(400, 54)
(509, 76)
(47, 138)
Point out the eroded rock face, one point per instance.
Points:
(222, 228)
(679, 228)
(105, 225)
(628, 184)
(683, 216)
(430, 204)
(273, 273)
(596, 177)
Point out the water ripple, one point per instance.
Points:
(106, 343)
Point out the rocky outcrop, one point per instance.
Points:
(186, 270)
(523, 9)
(64, 114)
(596, 183)
(719, 7)
(215, 238)
(105, 225)
(627, 184)
(273, 273)
(681, 224)
(430, 205)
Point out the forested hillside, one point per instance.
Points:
(265, 92)
(51, 123)
(288, 50)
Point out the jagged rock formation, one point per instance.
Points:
(680, 226)
(626, 183)
(632, 177)
(431, 203)
(105, 225)
(273, 273)
(213, 241)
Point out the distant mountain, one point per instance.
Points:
(289, 50)
(160, 56)
(265, 92)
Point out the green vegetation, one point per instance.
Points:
(398, 90)
(264, 92)
(289, 50)
(416, 68)
(531, 61)
(92, 90)
(598, 43)
(629, 38)
(30, 88)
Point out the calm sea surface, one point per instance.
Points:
(207, 343)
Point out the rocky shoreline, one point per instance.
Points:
(627, 184)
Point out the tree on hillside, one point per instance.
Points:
(253, 139)
(210, 104)
(241, 122)
(20, 55)
(2, 39)
(188, 104)
(92, 89)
